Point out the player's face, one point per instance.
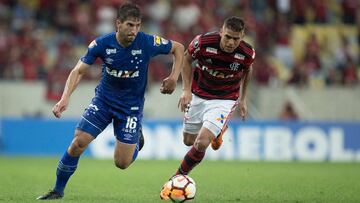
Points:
(128, 29)
(230, 39)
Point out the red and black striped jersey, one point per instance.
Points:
(218, 74)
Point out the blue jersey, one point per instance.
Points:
(124, 70)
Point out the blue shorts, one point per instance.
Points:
(98, 115)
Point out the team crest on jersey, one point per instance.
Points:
(221, 119)
(92, 44)
(110, 51)
(239, 56)
(234, 66)
(211, 50)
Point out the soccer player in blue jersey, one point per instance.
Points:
(119, 97)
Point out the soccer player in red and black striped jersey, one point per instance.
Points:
(223, 63)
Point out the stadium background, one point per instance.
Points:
(303, 102)
(303, 96)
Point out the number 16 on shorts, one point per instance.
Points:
(131, 123)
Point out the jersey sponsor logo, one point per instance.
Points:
(135, 52)
(234, 66)
(208, 61)
(195, 51)
(157, 40)
(211, 50)
(110, 51)
(216, 73)
(122, 73)
(92, 44)
(239, 56)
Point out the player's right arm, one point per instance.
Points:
(190, 54)
(186, 96)
(94, 51)
(71, 83)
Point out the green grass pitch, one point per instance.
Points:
(23, 179)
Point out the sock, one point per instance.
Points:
(136, 152)
(66, 167)
(191, 159)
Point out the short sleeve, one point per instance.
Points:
(249, 61)
(92, 53)
(194, 47)
(157, 45)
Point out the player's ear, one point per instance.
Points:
(117, 23)
(242, 34)
(221, 31)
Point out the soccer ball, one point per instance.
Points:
(180, 188)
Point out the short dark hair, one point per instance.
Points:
(128, 10)
(234, 23)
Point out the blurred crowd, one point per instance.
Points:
(43, 39)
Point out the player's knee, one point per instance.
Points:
(188, 141)
(201, 144)
(78, 144)
(121, 164)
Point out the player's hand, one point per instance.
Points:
(243, 109)
(184, 101)
(168, 85)
(60, 107)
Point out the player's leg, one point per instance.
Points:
(124, 154)
(189, 138)
(213, 121)
(193, 120)
(68, 163)
(218, 140)
(197, 152)
(94, 121)
(128, 132)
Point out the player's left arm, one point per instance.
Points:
(168, 84)
(244, 85)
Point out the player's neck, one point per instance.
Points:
(122, 41)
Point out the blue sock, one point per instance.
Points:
(66, 167)
(136, 152)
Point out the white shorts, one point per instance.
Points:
(210, 114)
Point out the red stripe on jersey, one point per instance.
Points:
(246, 49)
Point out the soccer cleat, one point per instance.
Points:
(141, 139)
(217, 141)
(51, 195)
